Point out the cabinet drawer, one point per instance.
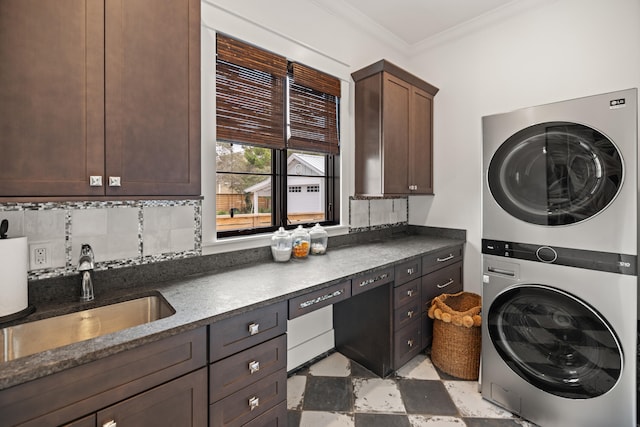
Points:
(88, 421)
(447, 280)
(406, 293)
(249, 402)
(406, 314)
(276, 417)
(61, 397)
(235, 372)
(240, 332)
(407, 271)
(181, 402)
(442, 258)
(371, 280)
(407, 343)
(317, 299)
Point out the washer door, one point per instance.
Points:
(555, 341)
(555, 173)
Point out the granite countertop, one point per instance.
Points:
(208, 297)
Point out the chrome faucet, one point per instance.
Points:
(85, 267)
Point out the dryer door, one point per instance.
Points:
(555, 341)
(555, 173)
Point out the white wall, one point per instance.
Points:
(556, 50)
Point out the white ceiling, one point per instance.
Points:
(412, 22)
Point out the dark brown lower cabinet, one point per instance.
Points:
(178, 403)
(446, 280)
(123, 386)
(88, 421)
(248, 370)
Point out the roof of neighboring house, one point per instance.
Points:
(315, 163)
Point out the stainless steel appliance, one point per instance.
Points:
(559, 334)
(564, 174)
(560, 246)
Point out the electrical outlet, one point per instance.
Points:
(39, 255)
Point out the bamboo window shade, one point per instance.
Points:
(313, 110)
(250, 91)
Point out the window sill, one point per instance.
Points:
(231, 244)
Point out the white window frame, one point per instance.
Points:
(214, 19)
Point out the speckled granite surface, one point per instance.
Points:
(203, 298)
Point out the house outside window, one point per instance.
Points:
(277, 148)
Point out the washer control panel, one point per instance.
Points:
(593, 260)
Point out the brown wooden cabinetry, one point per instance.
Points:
(104, 89)
(248, 374)
(393, 126)
(407, 312)
(137, 387)
(442, 274)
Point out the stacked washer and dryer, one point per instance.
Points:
(560, 261)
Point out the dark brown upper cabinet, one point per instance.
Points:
(394, 133)
(98, 93)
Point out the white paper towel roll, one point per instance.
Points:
(14, 263)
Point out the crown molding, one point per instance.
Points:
(479, 23)
(363, 23)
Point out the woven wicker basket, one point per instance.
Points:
(456, 334)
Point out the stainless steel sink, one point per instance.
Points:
(33, 337)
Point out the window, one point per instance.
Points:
(277, 148)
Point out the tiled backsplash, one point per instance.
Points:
(370, 214)
(121, 233)
(127, 233)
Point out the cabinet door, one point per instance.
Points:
(421, 148)
(153, 96)
(181, 402)
(395, 131)
(52, 92)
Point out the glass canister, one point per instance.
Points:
(319, 240)
(281, 245)
(301, 242)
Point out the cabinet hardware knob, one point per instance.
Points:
(254, 366)
(114, 181)
(110, 423)
(410, 271)
(444, 285)
(410, 293)
(410, 343)
(95, 181)
(254, 402)
(445, 259)
(254, 328)
(410, 314)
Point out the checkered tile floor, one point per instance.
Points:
(337, 392)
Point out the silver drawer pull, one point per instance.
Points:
(321, 298)
(410, 343)
(254, 328)
(410, 293)
(110, 423)
(374, 279)
(445, 259)
(410, 314)
(254, 366)
(254, 402)
(95, 181)
(410, 271)
(444, 285)
(114, 181)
